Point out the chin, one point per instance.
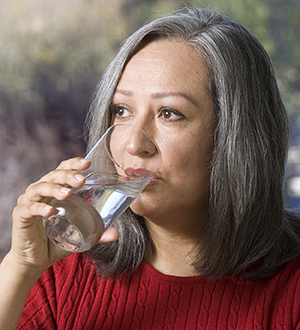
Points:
(143, 207)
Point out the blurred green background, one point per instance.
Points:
(52, 54)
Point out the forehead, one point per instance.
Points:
(169, 63)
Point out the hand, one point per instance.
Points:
(32, 252)
(30, 244)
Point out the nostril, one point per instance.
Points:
(137, 142)
(130, 147)
(140, 145)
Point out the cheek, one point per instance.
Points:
(189, 170)
(187, 155)
(185, 175)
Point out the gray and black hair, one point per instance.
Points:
(248, 230)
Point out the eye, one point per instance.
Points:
(119, 111)
(170, 114)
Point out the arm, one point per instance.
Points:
(16, 282)
(32, 253)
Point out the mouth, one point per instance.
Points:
(153, 181)
(139, 173)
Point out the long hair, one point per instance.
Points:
(248, 230)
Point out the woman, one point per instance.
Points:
(208, 246)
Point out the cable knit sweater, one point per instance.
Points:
(71, 296)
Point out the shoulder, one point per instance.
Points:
(287, 281)
(69, 277)
(56, 296)
(63, 272)
(276, 300)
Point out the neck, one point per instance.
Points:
(175, 249)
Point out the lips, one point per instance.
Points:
(152, 182)
(139, 173)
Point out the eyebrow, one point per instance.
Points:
(159, 95)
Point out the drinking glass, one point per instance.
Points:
(123, 162)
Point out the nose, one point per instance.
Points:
(139, 143)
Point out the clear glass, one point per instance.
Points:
(123, 162)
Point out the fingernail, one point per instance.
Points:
(64, 190)
(47, 208)
(83, 160)
(79, 177)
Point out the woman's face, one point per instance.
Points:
(163, 91)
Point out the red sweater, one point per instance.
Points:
(71, 296)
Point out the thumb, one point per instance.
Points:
(110, 235)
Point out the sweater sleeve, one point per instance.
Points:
(40, 309)
(51, 295)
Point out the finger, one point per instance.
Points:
(110, 235)
(73, 165)
(67, 177)
(31, 210)
(63, 177)
(77, 163)
(42, 190)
